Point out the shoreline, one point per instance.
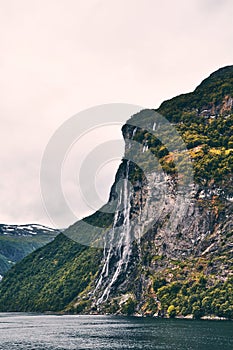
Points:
(53, 313)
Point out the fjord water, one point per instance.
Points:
(40, 332)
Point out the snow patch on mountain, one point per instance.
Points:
(25, 230)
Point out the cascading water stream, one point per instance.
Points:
(134, 132)
(145, 147)
(110, 243)
(119, 243)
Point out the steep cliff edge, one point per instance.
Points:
(168, 245)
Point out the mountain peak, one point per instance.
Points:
(25, 230)
(222, 72)
(219, 77)
(211, 92)
(17, 241)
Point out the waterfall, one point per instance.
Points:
(154, 126)
(120, 248)
(134, 132)
(108, 251)
(132, 137)
(145, 147)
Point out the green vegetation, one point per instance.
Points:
(128, 308)
(210, 145)
(14, 248)
(204, 120)
(171, 311)
(50, 278)
(209, 93)
(190, 287)
(197, 298)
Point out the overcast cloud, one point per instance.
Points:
(58, 57)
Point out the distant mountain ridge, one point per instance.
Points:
(17, 241)
(25, 230)
(178, 270)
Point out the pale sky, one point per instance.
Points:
(59, 57)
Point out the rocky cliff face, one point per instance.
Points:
(168, 245)
(198, 227)
(189, 223)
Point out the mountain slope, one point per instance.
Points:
(17, 241)
(182, 263)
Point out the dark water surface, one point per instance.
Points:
(40, 332)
